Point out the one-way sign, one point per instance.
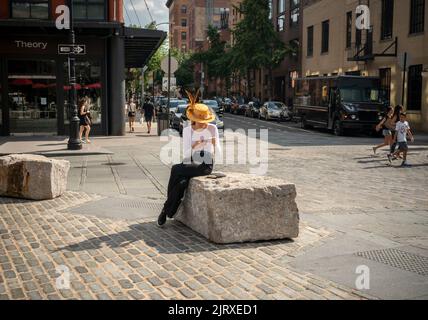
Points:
(71, 49)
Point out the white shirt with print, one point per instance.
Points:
(190, 136)
(401, 128)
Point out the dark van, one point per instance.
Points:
(339, 103)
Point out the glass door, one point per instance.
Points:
(32, 97)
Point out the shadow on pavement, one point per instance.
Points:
(173, 238)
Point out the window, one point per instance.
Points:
(89, 9)
(310, 48)
(294, 45)
(294, 12)
(89, 84)
(270, 9)
(184, 22)
(184, 9)
(325, 36)
(385, 82)
(30, 9)
(358, 37)
(281, 23)
(183, 35)
(414, 88)
(349, 29)
(417, 16)
(387, 19)
(183, 47)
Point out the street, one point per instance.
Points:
(355, 210)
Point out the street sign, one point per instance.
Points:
(174, 65)
(165, 83)
(72, 49)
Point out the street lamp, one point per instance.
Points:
(74, 142)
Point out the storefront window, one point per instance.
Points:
(30, 9)
(32, 96)
(89, 9)
(88, 84)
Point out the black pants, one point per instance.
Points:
(179, 181)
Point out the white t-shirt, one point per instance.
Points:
(401, 128)
(191, 136)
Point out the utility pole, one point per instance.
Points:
(74, 142)
(202, 81)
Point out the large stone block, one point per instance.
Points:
(240, 208)
(32, 176)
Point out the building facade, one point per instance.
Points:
(286, 16)
(179, 24)
(199, 14)
(394, 47)
(34, 84)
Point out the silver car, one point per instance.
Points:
(271, 110)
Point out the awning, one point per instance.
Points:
(140, 45)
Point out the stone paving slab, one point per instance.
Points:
(119, 259)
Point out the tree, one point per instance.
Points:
(257, 44)
(216, 59)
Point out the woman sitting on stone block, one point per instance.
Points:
(200, 142)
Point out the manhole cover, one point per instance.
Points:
(398, 259)
(142, 205)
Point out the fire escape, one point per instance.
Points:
(363, 50)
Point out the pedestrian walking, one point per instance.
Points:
(386, 125)
(395, 119)
(200, 142)
(402, 130)
(85, 119)
(149, 113)
(132, 110)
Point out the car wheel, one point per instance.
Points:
(337, 128)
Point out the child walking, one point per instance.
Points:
(402, 129)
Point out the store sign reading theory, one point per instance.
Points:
(31, 44)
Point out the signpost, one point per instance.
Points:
(74, 142)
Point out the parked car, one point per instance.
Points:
(176, 116)
(238, 106)
(271, 110)
(213, 104)
(227, 104)
(184, 122)
(253, 109)
(173, 104)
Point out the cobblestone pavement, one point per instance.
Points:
(348, 199)
(111, 259)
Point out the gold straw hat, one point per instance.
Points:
(198, 112)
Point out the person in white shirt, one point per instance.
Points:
(402, 129)
(200, 142)
(132, 109)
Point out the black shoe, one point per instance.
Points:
(162, 219)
